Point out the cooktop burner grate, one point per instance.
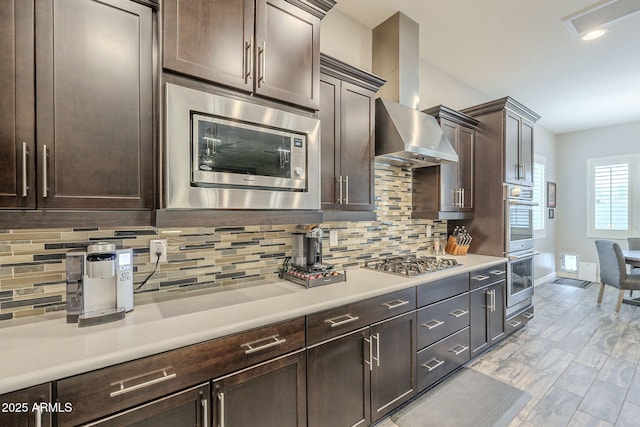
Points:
(410, 265)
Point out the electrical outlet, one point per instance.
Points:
(429, 231)
(333, 238)
(156, 246)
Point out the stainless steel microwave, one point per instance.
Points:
(227, 153)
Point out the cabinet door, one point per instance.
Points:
(393, 378)
(189, 408)
(526, 152)
(338, 381)
(95, 112)
(357, 147)
(210, 39)
(478, 321)
(287, 53)
(496, 324)
(273, 393)
(512, 163)
(329, 116)
(465, 150)
(17, 124)
(17, 408)
(449, 185)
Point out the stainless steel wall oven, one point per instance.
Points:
(226, 153)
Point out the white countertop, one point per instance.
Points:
(35, 351)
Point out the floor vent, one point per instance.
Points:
(599, 14)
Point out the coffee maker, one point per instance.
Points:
(99, 284)
(307, 249)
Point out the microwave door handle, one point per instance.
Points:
(521, 202)
(527, 255)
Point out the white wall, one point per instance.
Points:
(545, 263)
(345, 39)
(574, 149)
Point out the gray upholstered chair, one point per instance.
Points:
(613, 271)
(634, 244)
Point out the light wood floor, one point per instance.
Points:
(579, 361)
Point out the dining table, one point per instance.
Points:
(632, 257)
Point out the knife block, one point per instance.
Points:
(455, 249)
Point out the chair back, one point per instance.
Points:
(612, 266)
(634, 243)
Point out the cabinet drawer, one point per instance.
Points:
(518, 320)
(108, 390)
(442, 319)
(442, 289)
(486, 276)
(340, 320)
(436, 361)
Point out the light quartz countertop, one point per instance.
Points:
(41, 350)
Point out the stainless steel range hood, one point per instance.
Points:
(404, 135)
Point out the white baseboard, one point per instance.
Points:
(544, 279)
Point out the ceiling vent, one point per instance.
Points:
(599, 15)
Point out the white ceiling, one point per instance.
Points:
(522, 49)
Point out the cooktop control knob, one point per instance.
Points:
(298, 171)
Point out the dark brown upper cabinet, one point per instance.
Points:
(446, 191)
(17, 98)
(94, 85)
(347, 116)
(267, 47)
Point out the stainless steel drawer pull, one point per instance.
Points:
(480, 278)
(340, 190)
(38, 415)
(432, 367)
(346, 318)
(370, 361)
(433, 324)
(205, 412)
(377, 358)
(221, 400)
(395, 304)
(514, 323)
(459, 349)
(459, 313)
(346, 189)
(248, 55)
(123, 389)
(25, 154)
(274, 342)
(45, 182)
(527, 315)
(497, 272)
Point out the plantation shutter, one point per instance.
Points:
(538, 195)
(611, 197)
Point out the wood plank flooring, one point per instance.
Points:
(579, 361)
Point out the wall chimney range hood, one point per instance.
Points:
(404, 135)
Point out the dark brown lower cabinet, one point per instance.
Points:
(357, 378)
(487, 322)
(187, 408)
(21, 408)
(272, 394)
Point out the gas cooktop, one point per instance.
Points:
(410, 265)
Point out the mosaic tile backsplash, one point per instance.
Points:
(32, 262)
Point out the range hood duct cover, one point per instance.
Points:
(410, 138)
(404, 136)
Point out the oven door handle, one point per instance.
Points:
(521, 202)
(527, 255)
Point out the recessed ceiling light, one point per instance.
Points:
(592, 35)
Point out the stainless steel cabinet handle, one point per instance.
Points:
(221, 401)
(514, 323)
(346, 186)
(340, 190)
(274, 342)
(38, 416)
(205, 412)
(459, 313)
(493, 300)
(527, 315)
(263, 68)
(460, 349)
(462, 197)
(433, 324)
(25, 153)
(346, 318)
(45, 183)
(123, 389)
(248, 55)
(432, 367)
(480, 278)
(497, 272)
(395, 304)
(370, 361)
(377, 358)
(455, 198)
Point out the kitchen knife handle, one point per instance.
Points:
(45, 181)
(221, 402)
(25, 153)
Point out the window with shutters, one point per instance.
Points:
(539, 190)
(612, 202)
